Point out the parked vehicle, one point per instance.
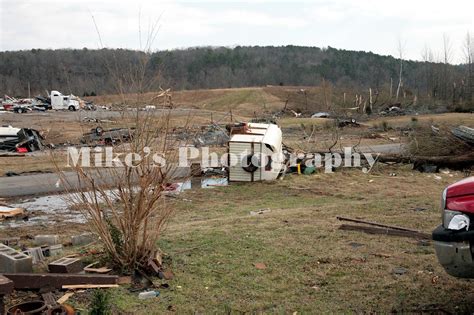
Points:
(60, 101)
(454, 238)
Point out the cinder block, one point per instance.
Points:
(55, 250)
(12, 261)
(66, 265)
(9, 241)
(83, 239)
(36, 254)
(46, 239)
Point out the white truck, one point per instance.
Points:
(60, 101)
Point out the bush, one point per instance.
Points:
(100, 302)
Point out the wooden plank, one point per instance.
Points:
(34, 281)
(8, 212)
(89, 268)
(65, 297)
(377, 224)
(384, 231)
(89, 286)
(124, 280)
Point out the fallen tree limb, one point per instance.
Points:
(456, 161)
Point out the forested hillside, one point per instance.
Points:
(85, 72)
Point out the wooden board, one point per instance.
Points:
(9, 212)
(89, 286)
(33, 281)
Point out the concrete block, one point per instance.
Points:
(36, 254)
(55, 250)
(9, 241)
(83, 239)
(46, 240)
(65, 265)
(14, 261)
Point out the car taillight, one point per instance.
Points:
(21, 150)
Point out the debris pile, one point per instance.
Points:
(48, 290)
(20, 140)
(99, 136)
(7, 212)
(55, 100)
(435, 147)
(464, 133)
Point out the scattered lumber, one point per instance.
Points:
(35, 281)
(65, 297)
(10, 212)
(393, 227)
(384, 231)
(89, 269)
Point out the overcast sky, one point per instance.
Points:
(365, 25)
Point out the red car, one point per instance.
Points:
(454, 239)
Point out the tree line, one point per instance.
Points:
(94, 72)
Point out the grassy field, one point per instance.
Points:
(213, 244)
(242, 101)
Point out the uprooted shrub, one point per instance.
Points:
(124, 203)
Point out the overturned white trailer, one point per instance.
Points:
(256, 153)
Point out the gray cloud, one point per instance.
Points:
(359, 25)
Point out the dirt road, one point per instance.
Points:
(40, 184)
(43, 184)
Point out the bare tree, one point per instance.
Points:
(447, 58)
(427, 57)
(447, 49)
(400, 55)
(123, 199)
(468, 50)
